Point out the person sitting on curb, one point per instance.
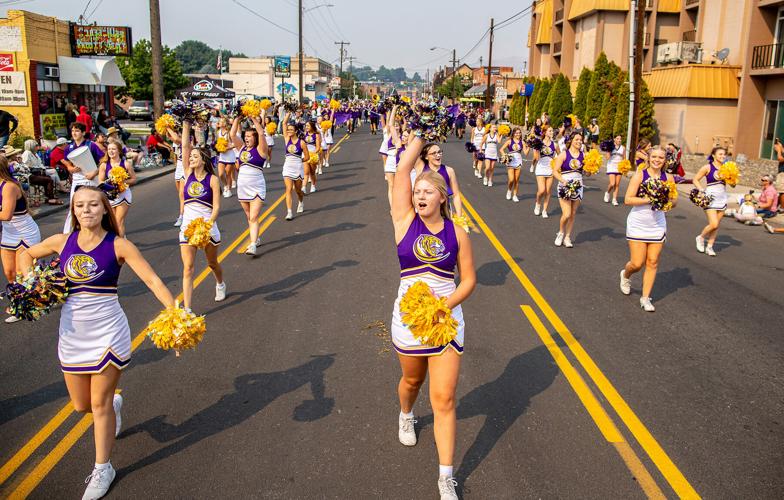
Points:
(769, 199)
(773, 230)
(747, 210)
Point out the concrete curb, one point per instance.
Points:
(46, 210)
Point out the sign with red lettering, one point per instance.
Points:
(6, 62)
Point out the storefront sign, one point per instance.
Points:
(100, 40)
(54, 123)
(11, 38)
(282, 67)
(6, 62)
(310, 87)
(13, 91)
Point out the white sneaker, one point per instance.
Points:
(508, 194)
(117, 403)
(226, 192)
(258, 241)
(312, 188)
(446, 488)
(484, 180)
(615, 202)
(515, 199)
(318, 171)
(544, 214)
(607, 197)
(178, 222)
(289, 215)
(626, 283)
(234, 184)
(768, 228)
(220, 292)
(326, 164)
(98, 483)
(531, 169)
(267, 164)
(567, 242)
(537, 209)
(645, 303)
(559, 238)
(700, 243)
(490, 183)
(405, 431)
(301, 207)
(251, 250)
(12, 319)
(709, 251)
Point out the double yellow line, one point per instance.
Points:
(336, 147)
(31, 481)
(603, 421)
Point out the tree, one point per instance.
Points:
(599, 83)
(560, 100)
(137, 72)
(517, 109)
(416, 77)
(198, 57)
(452, 87)
(621, 122)
(581, 95)
(606, 119)
(537, 106)
(648, 126)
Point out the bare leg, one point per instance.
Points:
(414, 371)
(120, 212)
(651, 266)
(188, 255)
(211, 251)
(444, 371)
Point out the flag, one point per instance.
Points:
(219, 64)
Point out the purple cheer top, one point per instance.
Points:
(249, 157)
(93, 273)
(294, 148)
(441, 171)
(645, 177)
(21, 203)
(109, 166)
(547, 150)
(421, 252)
(517, 146)
(713, 178)
(198, 192)
(572, 163)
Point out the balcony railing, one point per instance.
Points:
(689, 3)
(768, 56)
(690, 36)
(559, 15)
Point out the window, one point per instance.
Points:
(774, 127)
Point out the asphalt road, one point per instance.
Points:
(578, 394)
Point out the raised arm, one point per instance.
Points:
(186, 146)
(261, 147)
(234, 132)
(131, 255)
(402, 201)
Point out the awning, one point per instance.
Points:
(90, 71)
(205, 89)
(706, 81)
(475, 91)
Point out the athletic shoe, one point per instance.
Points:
(709, 251)
(267, 165)
(768, 228)
(234, 184)
(537, 209)
(484, 180)
(251, 250)
(559, 238)
(301, 207)
(490, 183)
(405, 431)
(607, 197)
(117, 403)
(12, 319)
(446, 488)
(531, 169)
(615, 202)
(258, 241)
(220, 292)
(326, 164)
(508, 194)
(515, 199)
(98, 483)
(700, 243)
(645, 303)
(318, 171)
(178, 222)
(568, 242)
(626, 283)
(312, 188)
(544, 214)
(226, 192)
(289, 216)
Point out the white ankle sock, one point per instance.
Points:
(445, 470)
(407, 415)
(103, 466)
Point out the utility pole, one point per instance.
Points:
(350, 68)
(341, 54)
(157, 58)
(489, 65)
(636, 35)
(300, 51)
(454, 74)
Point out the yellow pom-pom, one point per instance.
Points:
(313, 159)
(405, 99)
(573, 118)
(672, 190)
(487, 128)
(271, 128)
(624, 167)
(462, 221)
(427, 317)
(265, 104)
(333, 104)
(251, 108)
(326, 125)
(376, 97)
(221, 145)
(729, 173)
(592, 162)
(175, 328)
(164, 123)
(117, 176)
(504, 129)
(198, 232)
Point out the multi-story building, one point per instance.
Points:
(714, 67)
(256, 76)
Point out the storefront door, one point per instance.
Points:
(774, 128)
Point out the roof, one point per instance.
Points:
(475, 90)
(704, 81)
(544, 15)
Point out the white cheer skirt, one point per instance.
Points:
(179, 171)
(543, 167)
(20, 231)
(390, 165)
(646, 225)
(194, 211)
(89, 343)
(719, 193)
(516, 160)
(126, 197)
(293, 168)
(251, 184)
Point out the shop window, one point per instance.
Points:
(774, 127)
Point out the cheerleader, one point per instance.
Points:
(293, 168)
(179, 171)
(270, 139)
(78, 178)
(226, 159)
(429, 247)
(544, 158)
(201, 194)
(431, 157)
(326, 143)
(641, 154)
(374, 119)
(477, 138)
(490, 142)
(251, 187)
(19, 229)
(313, 143)
(122, 202)
(382, 150)
(615, 158)
(717, 188)
(646, 229)
(95, 339)
(394, 144)
(460, 124)
(516, 148)
(569, 167)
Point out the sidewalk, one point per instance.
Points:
(141, 177)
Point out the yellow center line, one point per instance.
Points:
(666, 466)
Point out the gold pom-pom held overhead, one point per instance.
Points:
(427, 317)
(271, 128)
(198, 232)
(221, 145)
(118, 176)
(176, 328)
(251, 108)
(326, 124)
(265, 104)
(333, 104)
(164, 123)
(592, 162)
(729, 173)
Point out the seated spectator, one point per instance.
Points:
(33, 162)
(155, 143)
(26, 175)
(769, 199)
(773, 230)
(56, 157)
(747, 210)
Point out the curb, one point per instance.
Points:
(53, 209)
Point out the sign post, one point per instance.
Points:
(282, 66)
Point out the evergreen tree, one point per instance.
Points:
(607, 116)
(621, 123)
(648, 127)
(599, 83)
(559, 101)
(515, 109)
(532, 100)
(538, 106)
(581, 95)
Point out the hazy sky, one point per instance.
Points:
(393, 33)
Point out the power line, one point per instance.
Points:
(264, 18)
(337, 26)
(86, 7)
(94, 9)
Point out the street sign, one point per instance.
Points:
(282, 66)
(500, 94)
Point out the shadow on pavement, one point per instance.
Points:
(668, 282)
(253, 392)
(494, 273)
(17, 406)
(296, 239)
(598, 234)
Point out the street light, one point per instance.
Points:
(454, 61)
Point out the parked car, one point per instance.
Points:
(141, 110)
(119, 112)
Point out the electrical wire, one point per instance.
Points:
(86, 7)
(264, 18)
(94, 9)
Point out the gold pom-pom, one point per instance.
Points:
(251, 108)
(504, 129)
(573, 119)
(624, 167)
(487, 128)
(271, 128)
(592, 162)
(427, 317)
(406, 99)
(176, 328)
(164, 123)
(729, 173)
(221, 145)
(462, 221)
(333, 104)
(198, 232)
(313, 159)
(376, 97)
(265, 104)
(117, 176)
(326, 125)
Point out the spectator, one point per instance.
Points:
(85, 119)
(155, 143)
(769, 198)
(33, 162)
(103, 120)
(56, 157)
(773, 230)
(8, 124)
(593, 129)
(70, 118)
(25, 174)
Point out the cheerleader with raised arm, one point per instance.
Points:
(477, 138)
(717, 188)
(78, 177)
(432, 157)
(516, 148)
(121, 200)
(616, 156)
(179, 172)
(19, 229)
(543, 159)
(313, 142)
(393, 130)
(641, 154)
(490, 142)
(568, 169)
(251, 186)
(293, 166)
(429, 246)
(95, 339)
(269, 138)
(327, 141)
(227, 157)
(201, 194)
(646, 228)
